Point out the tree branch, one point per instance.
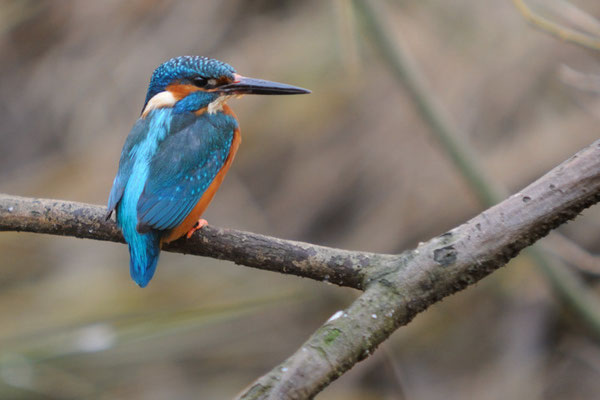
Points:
(396, 287)
(436, 269)
(66, 218)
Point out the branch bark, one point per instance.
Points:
(434, 270)
(397, 287)
(66, 218)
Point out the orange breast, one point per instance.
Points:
(189, 222)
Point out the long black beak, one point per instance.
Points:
(243, 85)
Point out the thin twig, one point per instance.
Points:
(572, 253)
(555, 29)
(408, 75)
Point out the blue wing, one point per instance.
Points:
(182, 168)
(138, 133)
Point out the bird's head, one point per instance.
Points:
(201, 84)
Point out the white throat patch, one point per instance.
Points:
(160, 100)
(217, 105)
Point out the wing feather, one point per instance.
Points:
(137, 134)
(185, 164)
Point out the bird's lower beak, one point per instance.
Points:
(243, 85)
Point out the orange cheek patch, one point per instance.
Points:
(179, 91)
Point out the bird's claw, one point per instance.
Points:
(199, 225)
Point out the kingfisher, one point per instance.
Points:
(178, 153)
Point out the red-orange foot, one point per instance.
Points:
(199, 225)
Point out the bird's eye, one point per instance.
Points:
(200, 81)
(212, 82)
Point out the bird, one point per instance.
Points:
(178, 153)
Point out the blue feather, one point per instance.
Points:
(137, 135)
(175, 151)
(182, 170)
(168, 161)
(144, 248)
(186, 67)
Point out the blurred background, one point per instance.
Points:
(352, 165)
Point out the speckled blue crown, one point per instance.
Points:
(186, 67)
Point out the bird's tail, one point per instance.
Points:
(143, 251)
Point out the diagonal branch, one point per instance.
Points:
(436, 269)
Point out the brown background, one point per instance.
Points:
(351, 165)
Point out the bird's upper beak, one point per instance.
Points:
(244, 85)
